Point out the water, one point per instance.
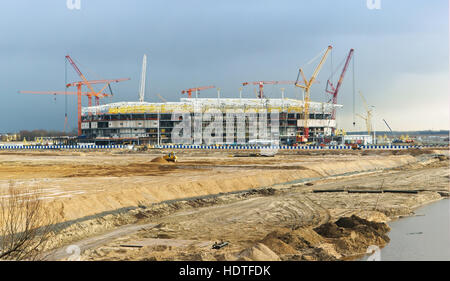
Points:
(420, 238)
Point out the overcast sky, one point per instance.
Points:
(401, 53)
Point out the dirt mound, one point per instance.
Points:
(352, 235)
(343, 226)
(278, 241)
(259, 252)
(348, 236)
(299, 244)
(159, 160)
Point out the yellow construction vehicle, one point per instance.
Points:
(25, 143)
(143, 147)
(171, 157)
(341, 132)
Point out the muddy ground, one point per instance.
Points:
(119, 205)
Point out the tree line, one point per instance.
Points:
(31, 135)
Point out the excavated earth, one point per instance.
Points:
(322, 205)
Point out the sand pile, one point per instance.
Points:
(300, 244)
(159, 160)
(292, 240)
(259, 252)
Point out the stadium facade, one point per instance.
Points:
(153, 123)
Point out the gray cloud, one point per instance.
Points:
(193, 43)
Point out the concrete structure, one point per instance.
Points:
(143, 122)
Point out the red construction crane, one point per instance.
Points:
(97, 95)
(57, 93)
(262, 83)
(196, 90)
(91, 93)
(88, 83)
(334, 91)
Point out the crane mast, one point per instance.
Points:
(306, 87)
(368, 118)
(335, 91)
(143, 74)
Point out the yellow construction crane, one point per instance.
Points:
(306, 87)
(161, 98)
(367, 118)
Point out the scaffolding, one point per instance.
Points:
(206, 104)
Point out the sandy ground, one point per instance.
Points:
(83, 184)
(288, 214)
(267, 208)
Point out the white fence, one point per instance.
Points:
(34, 147)
(213, 147)
(285, 147)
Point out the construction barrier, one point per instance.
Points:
(283, 147)
(41, 147)
(215, 147)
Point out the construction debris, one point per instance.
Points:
(220, 245)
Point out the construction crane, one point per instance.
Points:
(91, 93)
(59, 93)
(196, 90)
(142, 85)
(88, 94)
(79, 93)
(306, 87)
(77, 70)
(89, 83)
(389, 127)
(334, 91)
(97, 94)
(367, 118)
(262, 83)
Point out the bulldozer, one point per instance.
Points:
(171, 157)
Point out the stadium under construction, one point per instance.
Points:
(153, 123)
(283, 120)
